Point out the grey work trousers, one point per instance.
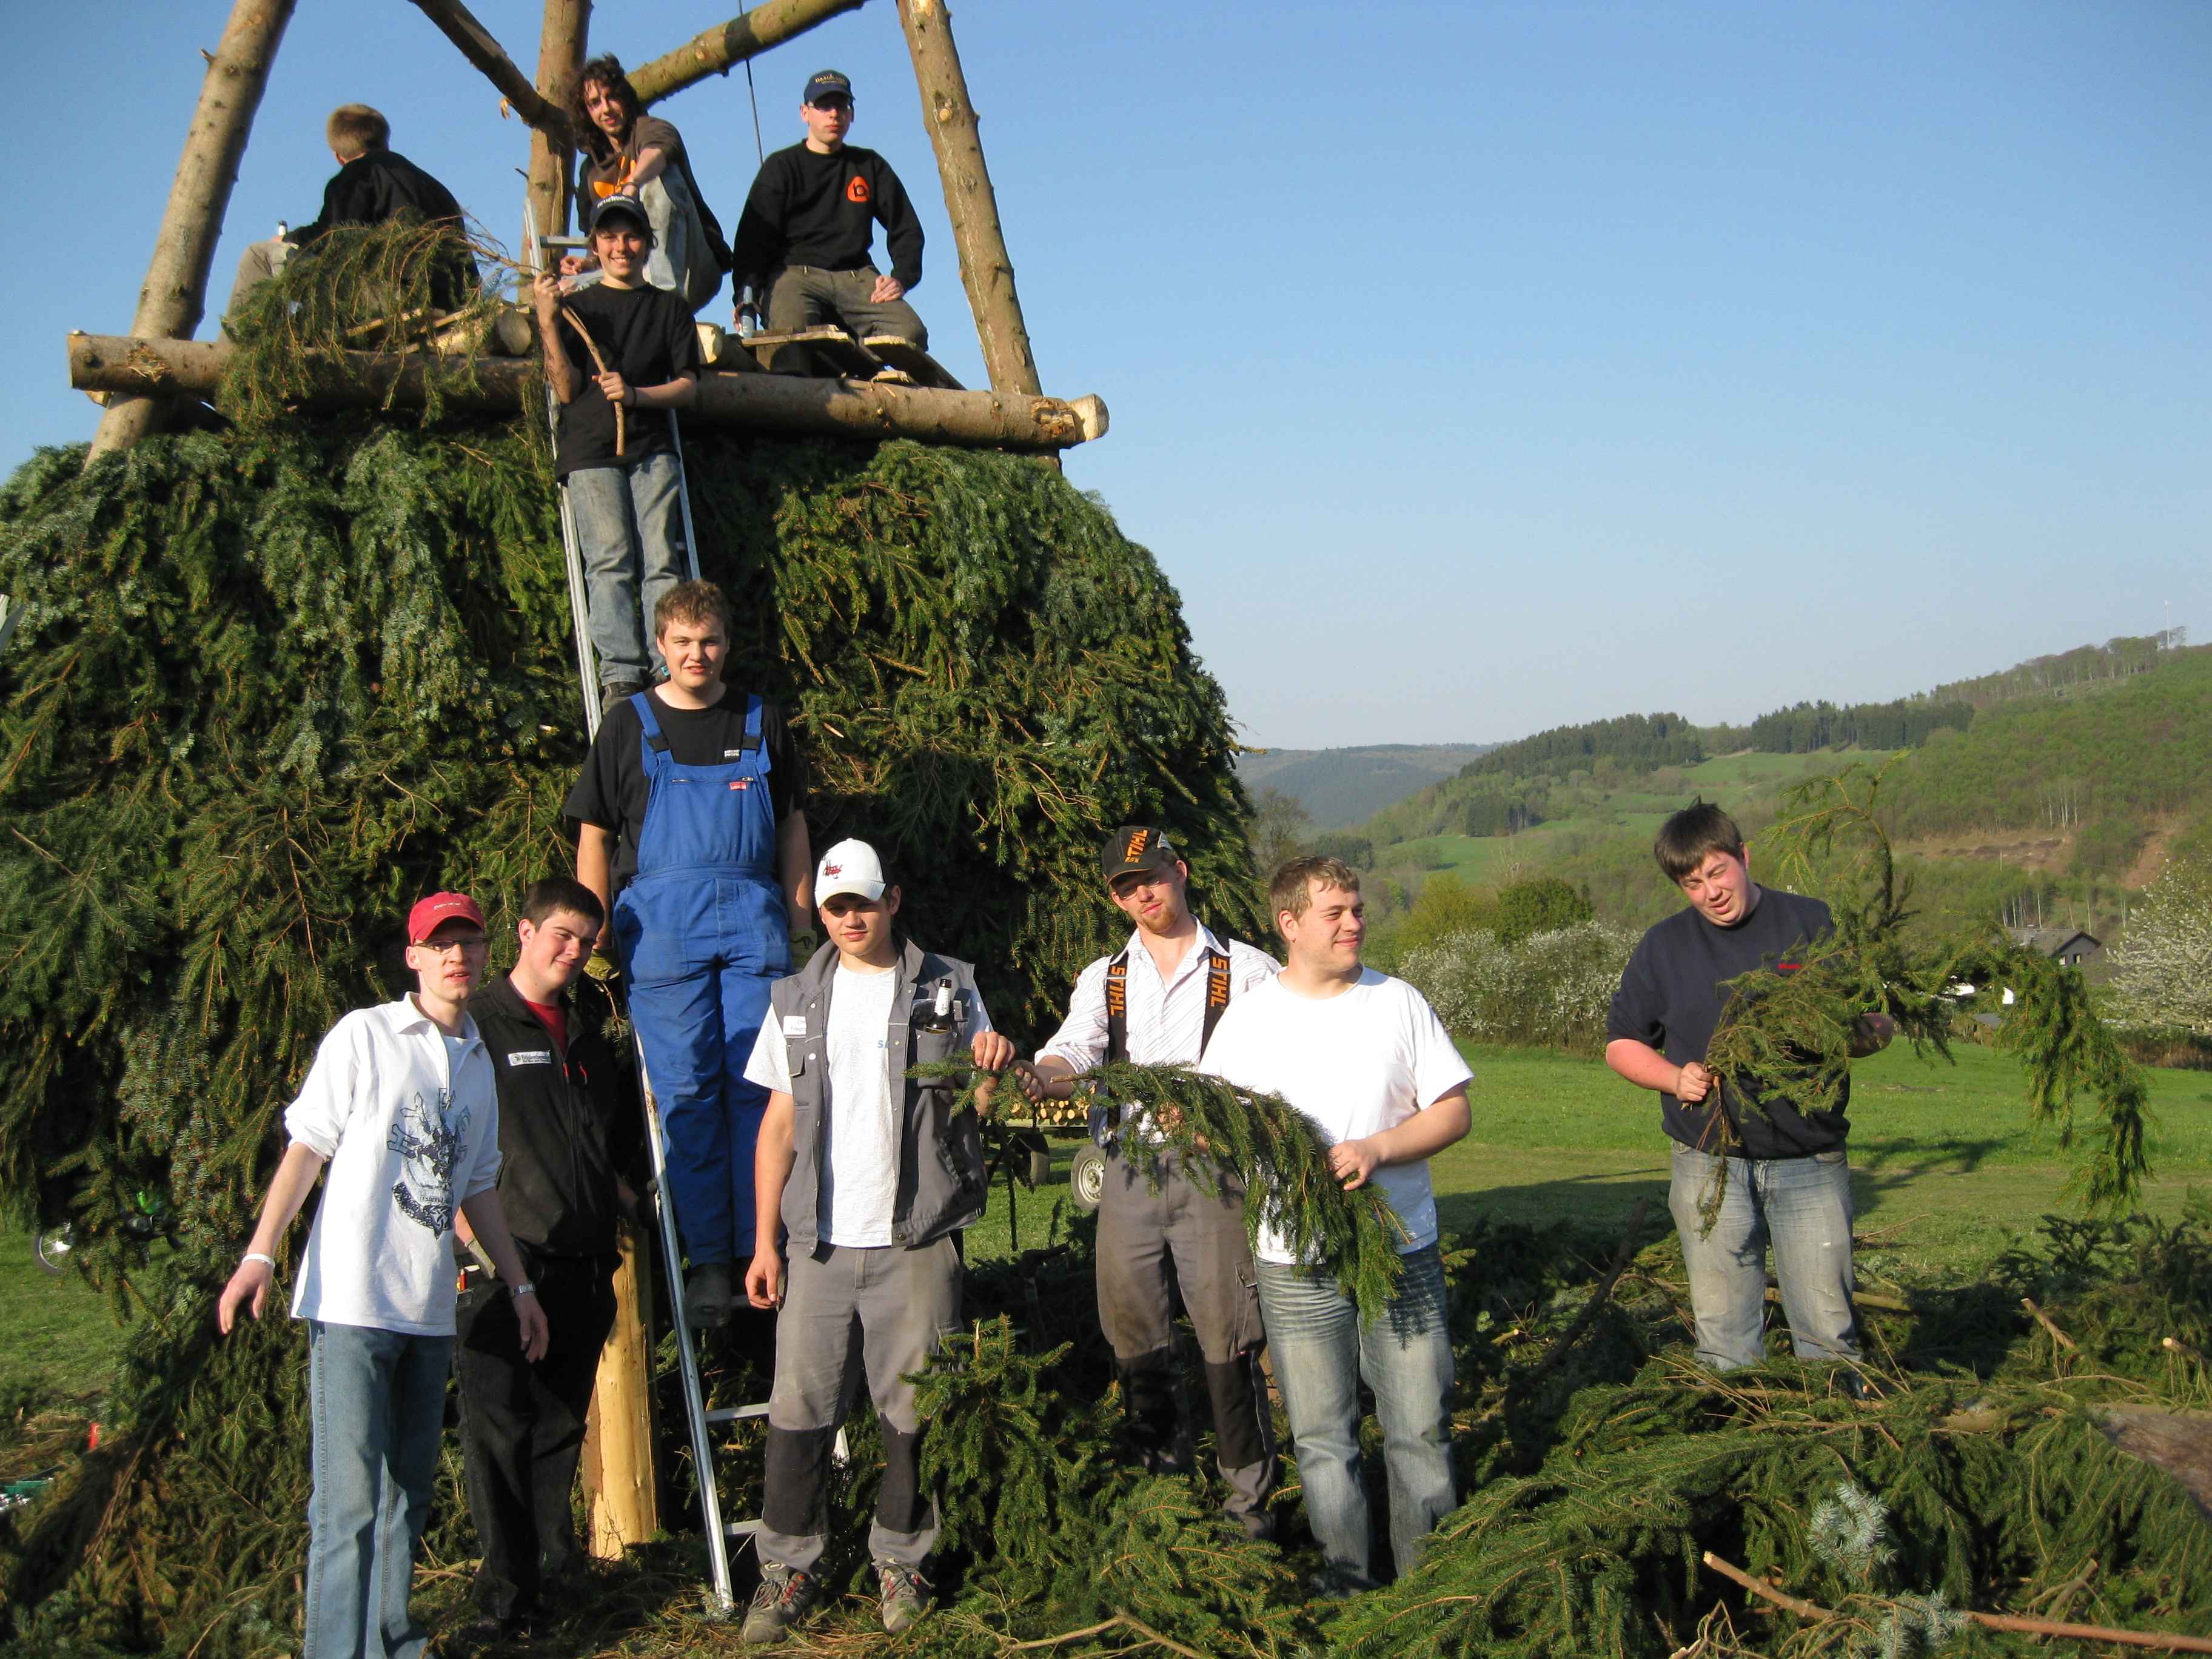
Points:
(849, 1313)
(1142, 1235)
(807, 296)
(259, 263)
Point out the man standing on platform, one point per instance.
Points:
(692, 803)
(399, 1105)
(566, 1128)
(808, 226)
(1366, 1059)
(1155, 1003)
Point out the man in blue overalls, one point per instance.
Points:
(692, 804)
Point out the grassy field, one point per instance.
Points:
(1947, 1170)
(1488, 860)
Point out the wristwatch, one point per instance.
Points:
(526, 1288)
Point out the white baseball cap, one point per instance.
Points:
(850, 866)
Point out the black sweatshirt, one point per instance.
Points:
(1670, 997)
(380, 185)
(807, 209)
(566, 1125)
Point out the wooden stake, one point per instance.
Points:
(174, 295)
(599, 363)
(985, 267)
(620, 1473)
(553, 158)
(717, 50)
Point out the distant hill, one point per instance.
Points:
(1342, 787)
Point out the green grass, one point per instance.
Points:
(1759, 771)
(1486, 860)
(57, 1335)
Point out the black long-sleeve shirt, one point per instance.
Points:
(808, 209)
(380, 185)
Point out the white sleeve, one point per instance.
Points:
(1081, 1039)
(1249, 966)
(769, 1066)
(1226, 1051)
(1438, 1066)
(485, 1175)
(317, 1119)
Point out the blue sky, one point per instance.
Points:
(1474, 368)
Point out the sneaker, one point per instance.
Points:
(786, 1596)
(905, 1595)
(707, 1294)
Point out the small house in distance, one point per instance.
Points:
(2068, 945)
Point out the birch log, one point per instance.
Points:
(174, 295)
(717, 50)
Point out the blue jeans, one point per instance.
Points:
(1321, 1353)
(630, 529)
(377, 1403)
(1804, 1206)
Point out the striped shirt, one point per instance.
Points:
(1166, 1018)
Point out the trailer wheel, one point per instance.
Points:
(1087, 1177)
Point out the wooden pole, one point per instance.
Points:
(459, 25)
(985, 270)
(756, 402)
(553, 157)
(620, 1473)
(174, 295)
(717, 50)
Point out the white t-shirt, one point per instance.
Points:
(1357, 1064)
(860, 1178)
(408, 1119)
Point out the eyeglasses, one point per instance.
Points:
(445, 947)
(837, 103)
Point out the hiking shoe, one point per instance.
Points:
(786, 1596)
(905, 1595)
(707, 1294)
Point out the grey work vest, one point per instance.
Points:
(941, 1183)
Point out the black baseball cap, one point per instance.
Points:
(1136, 847)
(827, 83)
(627, 207)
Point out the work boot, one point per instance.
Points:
(905, 1595)
(707, 1295)
(615, 691)
(786, 1596)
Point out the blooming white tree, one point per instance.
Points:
(2162, 969)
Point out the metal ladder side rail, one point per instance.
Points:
(698, 1418)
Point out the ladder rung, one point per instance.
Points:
(564, 242)
(741, 1528)
(732, 1413)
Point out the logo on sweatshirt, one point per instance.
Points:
(856, 189)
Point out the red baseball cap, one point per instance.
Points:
(422, 920)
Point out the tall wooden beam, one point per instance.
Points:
(717, 50)
(553, 157)
(985, 269)
(459, 25)
(174, 294)
(620, 1472)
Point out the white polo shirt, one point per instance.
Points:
(408, 1119)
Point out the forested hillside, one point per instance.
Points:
(1340, 787)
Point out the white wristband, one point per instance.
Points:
(268, 1262)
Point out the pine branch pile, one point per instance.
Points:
(1792, 1034)
(270, 686)
(1256, 1141)
(399, 288)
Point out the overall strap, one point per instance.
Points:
(752, 738)
(1217, 993)
(656, 741)
(1117, 1008)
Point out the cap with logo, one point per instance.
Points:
(422, 920)
(850, 866)
(1136, 847)
(827, 83)
(621, 206)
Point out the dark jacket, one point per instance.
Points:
(566, 1125)
(380, 185)
(941, 1183)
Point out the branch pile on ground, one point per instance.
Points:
(270, 686)
(1792, 1033)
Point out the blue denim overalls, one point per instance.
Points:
(703, 934)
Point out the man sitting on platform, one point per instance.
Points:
(809, 225)
(374, 183)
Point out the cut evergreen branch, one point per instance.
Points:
(1792, 1034)
(1226, 1138)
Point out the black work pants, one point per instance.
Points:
(522, 1424)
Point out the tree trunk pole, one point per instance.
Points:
(621, 1476)
(174, 295)
(714, 51)
(985, 270)
(553, 155)
(459, 24)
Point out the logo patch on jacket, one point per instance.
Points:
(531, 1057)
(741, 783)
(856, 189)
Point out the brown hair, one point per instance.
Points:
(607, 71)
(557, 893)
(355, 129)
(1291, 888)
(1693, 834)
(690, 602)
